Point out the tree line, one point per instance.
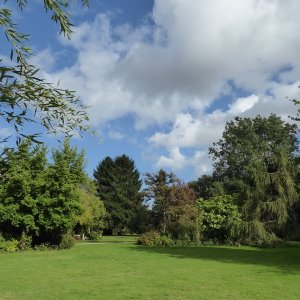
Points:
(251, 197)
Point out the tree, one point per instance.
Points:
(22, 188)
(118, 186)
(207, 186)
(158, 191)
(182, 214)
(91, 219)
(60, 205)
(25, 97)
(258, 155)
(174, 205)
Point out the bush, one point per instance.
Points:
(95, 235)
(24, 242)
(67, 242)
(153, 238)
(41, 247)
(165, 240)
(8, 245)
(150, 238)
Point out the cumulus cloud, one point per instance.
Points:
(173, 68)
(175, 161)
(116, 135)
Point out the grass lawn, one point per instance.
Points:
(126, 271)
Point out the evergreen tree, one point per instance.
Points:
(158, 191)
(258, 154)
(118, 185)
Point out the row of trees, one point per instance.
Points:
(252, 196)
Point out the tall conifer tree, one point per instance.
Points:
(118, 185)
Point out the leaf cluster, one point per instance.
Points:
(24, 96)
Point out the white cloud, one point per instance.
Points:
(176, 160)
(116, 135)
(44, 59)
(201, 163)
(174, 70)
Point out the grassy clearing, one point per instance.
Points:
(127, 271)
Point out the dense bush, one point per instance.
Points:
(150, 238)
(154, 239)
(67, 241)
(216, 214)
(8, 245)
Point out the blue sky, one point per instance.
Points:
(162, 77)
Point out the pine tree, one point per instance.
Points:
(118, 185)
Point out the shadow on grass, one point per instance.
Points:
(284, 259)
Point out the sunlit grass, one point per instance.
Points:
(128, 271)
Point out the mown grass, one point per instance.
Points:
(128, 271)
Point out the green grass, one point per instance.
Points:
(127, 271)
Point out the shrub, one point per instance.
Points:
(8, 245)
(153, 238)
(150, 238)
(67, 242)
(95, 235)
(41, 247)
(165, 240)
(24, 242)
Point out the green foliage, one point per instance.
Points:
(9, 245)
(61, 200)
(150, 238)
(207, 186)
(174, 205)
(158, 191)
(41, 247)
(91, 219)
(118, 186)
(67, 241)
(257, 157)
(24, 242)
(23, 182)
(25, 97)
(154, 239)
(38, 200)
(216, 215)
